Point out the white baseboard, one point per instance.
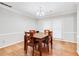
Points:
(60, 39)
(11, 44)
(22, 40)
(69, 41)
(10, 39)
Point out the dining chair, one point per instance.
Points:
(32, 31)
(28, 41)
(48, 39)
(46, 31)
(51, 38)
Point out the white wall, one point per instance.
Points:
(62, 26)
(12, 26)
(78, 29)
(51, 24)
(69, 28)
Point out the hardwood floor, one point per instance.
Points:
(60, 48)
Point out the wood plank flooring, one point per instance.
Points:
(60, 48)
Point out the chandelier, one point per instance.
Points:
(40, 12)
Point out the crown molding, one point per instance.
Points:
(17, 12)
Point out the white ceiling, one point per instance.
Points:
(49, 8)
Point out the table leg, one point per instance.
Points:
(24, 43)
(51, 42)
(40, 47)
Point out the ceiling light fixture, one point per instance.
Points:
(40, 12)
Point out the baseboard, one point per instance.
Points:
(22, 40)
(69, 41)
(10, 39)
(60, 39)
(11, 44)
(78, 52)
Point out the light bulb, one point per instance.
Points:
(38, 13)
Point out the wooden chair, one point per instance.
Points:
(51, 38)
(46, 31)
(48, 39)
(32, 31)
(28, 41)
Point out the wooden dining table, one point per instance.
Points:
(40, 37)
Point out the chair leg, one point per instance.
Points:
(40, 48)
(33, 51)
(44, 44)
(24, 44)
(51, 42)
(48, 47)
(26, 49)
(35, 46)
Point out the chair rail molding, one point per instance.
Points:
(11, 38)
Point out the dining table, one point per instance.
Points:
(40, 37)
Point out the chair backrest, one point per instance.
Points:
(46, 31)
(32, 31)
(28, 35)
(50, 33)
